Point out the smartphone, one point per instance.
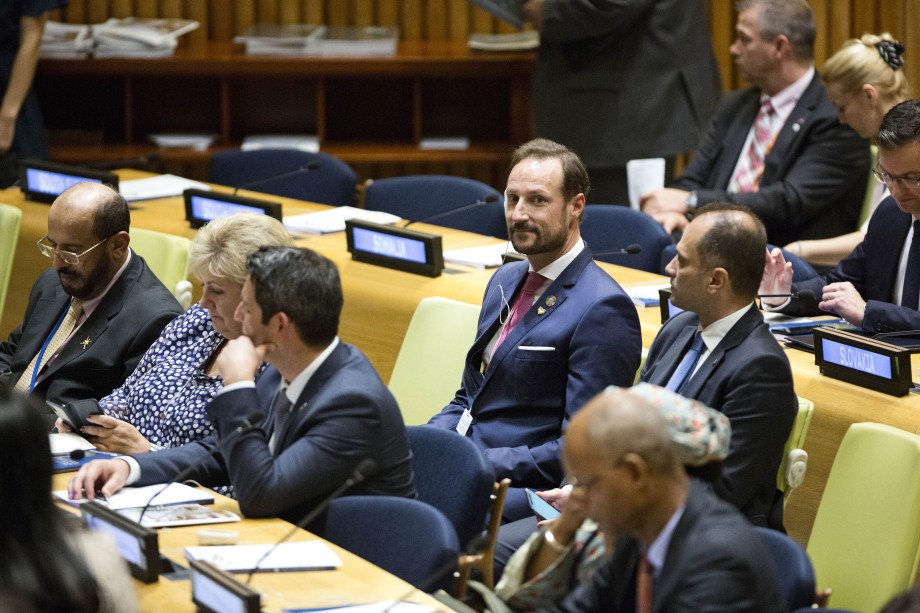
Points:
(540, 507)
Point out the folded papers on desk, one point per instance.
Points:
(302, 555)
(388, 606)
(161, 186)
(486, 256)
(135, 497)
(333, 220)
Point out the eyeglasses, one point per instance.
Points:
(68, 257)
(910, 182)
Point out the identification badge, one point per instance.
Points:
(466, 421)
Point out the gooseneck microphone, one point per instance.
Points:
(802, 295)
(252, 420)
(77, 454)
(365, 468)
(466, 207)
(308, 167)
(633, 249)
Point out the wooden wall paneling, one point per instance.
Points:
(388, 12)
(417, 119)
(313, 11)
(482, 21)
(410, 22)
(288, 13)
(840, 28)
(172, 8)
(321, 111)
(822, 36)
(267, 11)
(245, 14)
(96, 12)
(122, 8)
(722, 30)
(458, 12)
(911, 41)
(338, 13)
(864, 18)
(147, 8)
(129, 110)
(435, 20)
(221, 21)
(225, 112)
(364, 13)
(56, 15)
(75, 12)
(198, 10)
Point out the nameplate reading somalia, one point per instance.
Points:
(400, 248)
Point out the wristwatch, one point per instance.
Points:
(692, 202)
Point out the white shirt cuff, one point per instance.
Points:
(770, 309)
(236, 386)
(135, 470)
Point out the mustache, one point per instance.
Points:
(67, 271)
(523, 226)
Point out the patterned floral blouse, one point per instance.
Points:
(165, 396)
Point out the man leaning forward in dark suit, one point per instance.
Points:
(878, 285)
(680, 548)
(325, 408)
(721, 352)
(553, 331)
(777, 147)
(94, 313)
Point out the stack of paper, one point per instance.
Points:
(344, 41)
(302, 555)
(161, 186)
(198, 142)
(512, 41)
(333, 220)
(137, 37)
(301, 142)
(66, 40)
(274, 39)
(138, 497)
(487, 256)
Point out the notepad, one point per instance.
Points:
(134, 497)
(302, 555)
(161, 186)
(485, 256)
(333, 220)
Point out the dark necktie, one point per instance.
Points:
(644, 586)
(282, 411)
(682, 374)
(911, 292)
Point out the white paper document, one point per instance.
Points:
(65, 442)
(644, 176)
(333, 220)
(486, 256)
(133, 497)
(645, 295)
(302, 555)
(162, 186)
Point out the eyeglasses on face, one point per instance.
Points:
(68, 257)
(908, 181)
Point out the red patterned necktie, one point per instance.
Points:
(521, 305)
(747, 177)
(644, 586)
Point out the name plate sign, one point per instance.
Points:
(863, 361)
(400, 248)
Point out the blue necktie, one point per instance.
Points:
(911, 292)
(680, 377)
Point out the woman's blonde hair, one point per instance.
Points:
(873, 59)
(220, 248)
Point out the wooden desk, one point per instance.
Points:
(379, 304)
(357, 581)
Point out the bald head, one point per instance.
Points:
(105, 208)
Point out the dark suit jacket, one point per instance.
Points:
(608, 67)
(747, 377)
(344, 414)
(522, 403)
(872, 268)
(123, 326)
(715, 562)
(814, 177)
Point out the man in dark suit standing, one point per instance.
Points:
(618, 80)
(553, 331)
(326, 409)
(679, 548)
(92, 315)
(721, 352)
(777, 147)
(878, 285)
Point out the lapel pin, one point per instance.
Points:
(796, 127)
(86, 342)
(550, 301)
(540, 310)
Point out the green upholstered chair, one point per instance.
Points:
(865, 542)
(10, 218)
(167, 257)
(429, 366)
(795, 459)
(869, 198)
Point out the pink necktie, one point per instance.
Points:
(521, 305)
(747, 178)
(644, 586)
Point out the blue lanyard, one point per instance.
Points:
(41, 353)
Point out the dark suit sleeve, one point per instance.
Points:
(164, 465)
(340, 434)
(571, 20)
(720, 580)
(604, 350)
(7, 350)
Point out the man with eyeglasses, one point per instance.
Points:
(878, 285)
(95, 312)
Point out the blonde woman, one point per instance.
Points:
(864, 80)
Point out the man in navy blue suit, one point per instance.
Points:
(553, 331)
(878, 285)
(326, 409)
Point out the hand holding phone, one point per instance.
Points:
(540, 507)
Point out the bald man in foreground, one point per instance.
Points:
(680, 548)
(94, 313)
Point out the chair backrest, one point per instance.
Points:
(165, 254)
(801, 269)
(325, 179)
(608, 227)
(869, 198)
(865, 542)
(10, 218)
(452, 475)
(794, 574)
(785, 481)
(420, 197)
(429, 366)
(409, 538)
